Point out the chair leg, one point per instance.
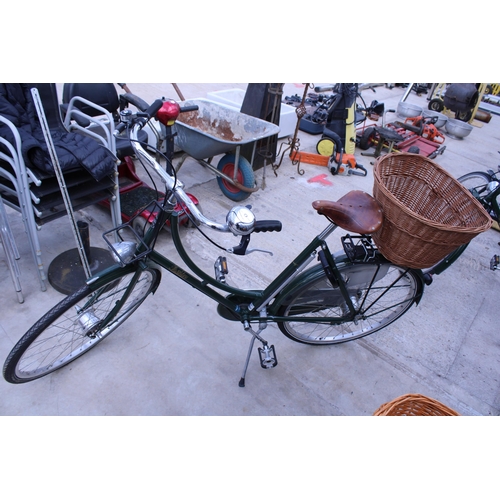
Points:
(11, 252)
(30, 227)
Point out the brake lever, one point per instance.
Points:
(242, 248)
(258, 250)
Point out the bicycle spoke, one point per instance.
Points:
(326, 317)
(76, 325)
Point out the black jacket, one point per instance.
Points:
(73, 150)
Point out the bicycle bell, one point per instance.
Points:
(126, 116)
(240, 220)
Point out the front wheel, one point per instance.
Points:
(244, 176)
(319, 314)
(76, 324)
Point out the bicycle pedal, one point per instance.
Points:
(495, 263)
(221, 269)
(267, 356)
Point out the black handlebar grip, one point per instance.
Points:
(185, 109)
(324, 88)
(263, 226)
(120, 127)
(135, 101)
(154, 108)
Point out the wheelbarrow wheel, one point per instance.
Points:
(245, 177)
(368, 138)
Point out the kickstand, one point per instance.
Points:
(267, 354)
(242, 379)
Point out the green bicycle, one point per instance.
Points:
(342, 297)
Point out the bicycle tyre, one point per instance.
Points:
(245, 177)
(379, 305)
(477, 184)
(59, 337)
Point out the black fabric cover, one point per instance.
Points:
(73, 150)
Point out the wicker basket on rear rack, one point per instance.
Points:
(427, 212)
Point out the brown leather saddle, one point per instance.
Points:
(356, 211)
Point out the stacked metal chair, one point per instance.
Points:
(36, 194)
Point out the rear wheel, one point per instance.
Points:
(76, 325)
(380, 293)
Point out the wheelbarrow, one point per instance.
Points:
(215, 129)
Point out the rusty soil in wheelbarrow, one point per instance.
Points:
(218, 128)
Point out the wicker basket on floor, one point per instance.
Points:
(414, 405)
(427, 212)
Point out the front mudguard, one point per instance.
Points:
(116, 271)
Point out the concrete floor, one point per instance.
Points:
(177, 356)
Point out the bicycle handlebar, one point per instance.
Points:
(172, 184)
(176, 187)
(145, 116)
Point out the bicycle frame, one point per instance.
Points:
(243, 305)
(249, 306)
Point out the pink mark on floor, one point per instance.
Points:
(322, 179)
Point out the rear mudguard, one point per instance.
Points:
(342, 262)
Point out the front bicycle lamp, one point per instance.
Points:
(123, 252)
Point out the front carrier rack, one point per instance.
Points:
(125, 251)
